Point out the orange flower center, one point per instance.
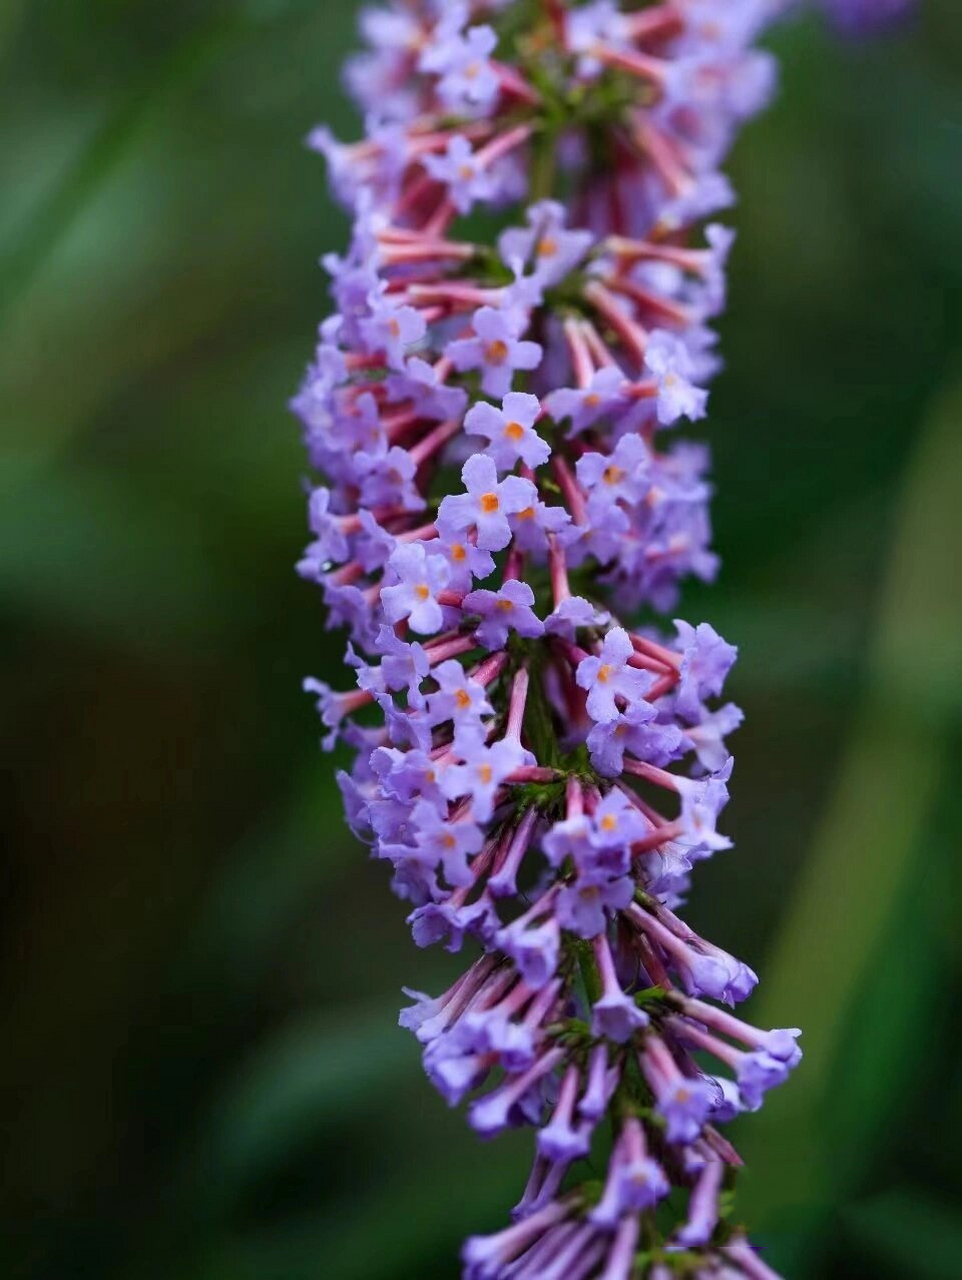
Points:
(490, 503)
(496, 352)
(514, 431)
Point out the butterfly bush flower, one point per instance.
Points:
(497, 415)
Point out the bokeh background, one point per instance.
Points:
(200, 1072)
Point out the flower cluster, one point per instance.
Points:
(495, 406)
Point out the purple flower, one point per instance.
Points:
(331, 541)
(459, 698)
(408, 775)
(482, 772)
(545, 245)
(598, 23)
(573, 613)
(757, 1073)
(502, 611)
(465, 176)
(404, 664)
(491, 1114)
(496, 350)
(702, 800)
(445, 844)
(532, 525)
(465, 559)
(510, 431)
(601, 1085)
(602, 397)
(706, 662)
(486, 505)
(684, 1105)
(708, 737)
(614, 1015)
(634, 1181)
(616, 825)
(468, 78)
(391, 330)
(569, 838)
(668, 360)
(430, 397)
(388, 480)
(562, 1139)
(638, 731)
(703, 1208)
(583, 906)
(533, 948)
(608, 677)
(419, 577)
(621, 475)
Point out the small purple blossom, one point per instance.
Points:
(545, 245)
(706, 662)
(670, 363)
(465, 176)
(430, 397)
(608, 678)
(622, 474)
(481, 773)
(510, 431)
(567, 617)
(487, 504)
(535, 949)
(508, 609)
(496, 350)
(418, 577)
(635, 1181)
(459, 698)
(584, 905)
(603, 396)
(467, 78)
(684, 1105)
(391, 330)
(445, 844)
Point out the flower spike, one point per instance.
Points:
(500, 424)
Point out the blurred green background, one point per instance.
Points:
(200, 1072)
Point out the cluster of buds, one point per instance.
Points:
(495, 407)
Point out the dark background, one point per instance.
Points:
(200, 1073)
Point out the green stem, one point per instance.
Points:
(543, 165)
